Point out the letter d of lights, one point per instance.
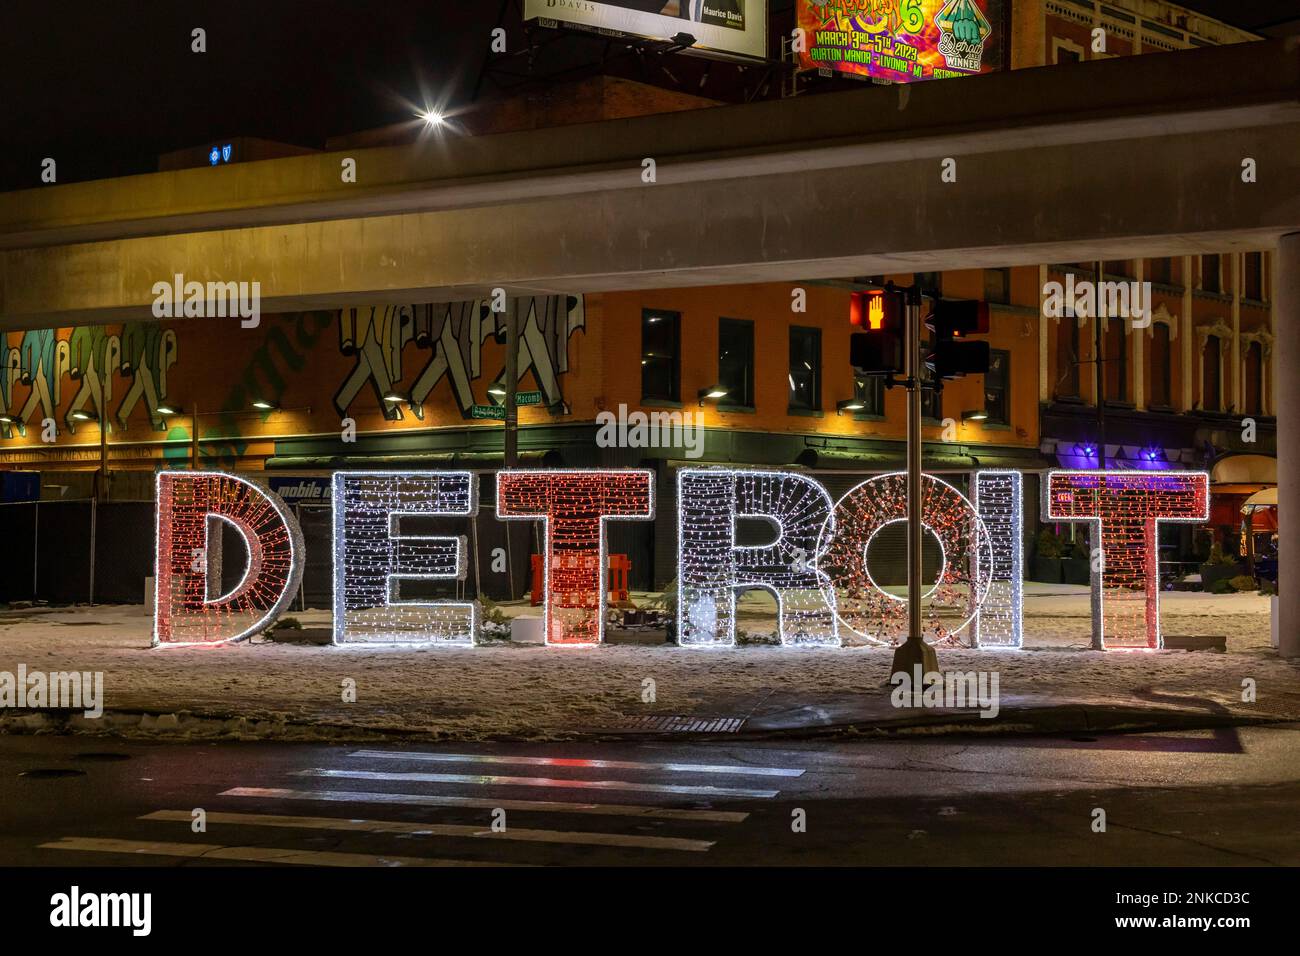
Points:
(575, 506)
(1126, 507)
(191, 506)
(374, 553)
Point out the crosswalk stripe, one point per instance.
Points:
(485, 780)
(248, 854)
(437, 830)
(541, 806)
(737, 770)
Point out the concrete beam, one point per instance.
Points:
(1112, 159)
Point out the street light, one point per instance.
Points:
(850, 405)
(498, 390)
(433, 118)
(975, 415)
(168, 410)
(84, 416)
(396, 398)
(265, 406)
(712, 392)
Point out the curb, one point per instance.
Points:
(1070, 719)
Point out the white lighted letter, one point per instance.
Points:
(375, 549)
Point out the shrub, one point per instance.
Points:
(1220, 586)
(1049, 545)
(1244, 582)
(1218, 557)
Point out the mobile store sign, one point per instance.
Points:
(816, 567)
(902, 41)
(729, 28)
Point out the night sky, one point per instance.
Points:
(107, 86)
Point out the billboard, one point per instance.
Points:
(901, 40)
(733, 28)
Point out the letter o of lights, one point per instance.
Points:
(965, 573)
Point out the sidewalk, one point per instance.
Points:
(294, 691)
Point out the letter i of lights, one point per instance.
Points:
(712, 569)
(1000, 618)
(373, 554)
(192, 508)
(574, 505)
(1126, 507)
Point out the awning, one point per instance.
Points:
(1245, 470)
(1261, 499)
(430, 459)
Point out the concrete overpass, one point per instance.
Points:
(1109, 159)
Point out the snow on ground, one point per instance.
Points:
(526, 690)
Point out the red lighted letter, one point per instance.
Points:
(574, 506)
(1127, 506)
(192, 507)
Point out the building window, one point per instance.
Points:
(805, 369)
(930, 283)
(736, 361)
(870, 391)
(1210, 281)
(661, 356)
(1253, 279)
(1161, 367)
(997, 388)
(1063, 51)
(1067, 358)
(932, 404)
(1211, 392)
(1116, 345)
(1118, 267)
(997, 286)
(1254, 380)
(1160, 271)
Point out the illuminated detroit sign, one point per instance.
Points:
(816, 563)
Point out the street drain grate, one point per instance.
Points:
(675, 724)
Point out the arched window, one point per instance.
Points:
(1067, 358)
(1162, 386)
(1116, 344)
(1211, 375)
(1254, 380)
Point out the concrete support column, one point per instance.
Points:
(1287, 331)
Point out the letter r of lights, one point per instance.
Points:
(574, 506)
(1127, 508)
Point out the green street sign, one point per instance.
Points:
(488, 411)
(528, 398)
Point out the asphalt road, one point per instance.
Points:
(1218, 798)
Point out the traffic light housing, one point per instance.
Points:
(951, 355)
(881, 315)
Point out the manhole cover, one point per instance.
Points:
(101, 756)
(48, 772)
(675, 724)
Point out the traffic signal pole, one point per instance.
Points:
(914, 650)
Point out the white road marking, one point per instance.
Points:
(485, 780)
(436, 830)
(247, 854)
(738, 770)
(541, 806)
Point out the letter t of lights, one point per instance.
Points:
(1127, 507)
(574, 506)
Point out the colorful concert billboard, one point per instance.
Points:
(732, 28)
(902, 41)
